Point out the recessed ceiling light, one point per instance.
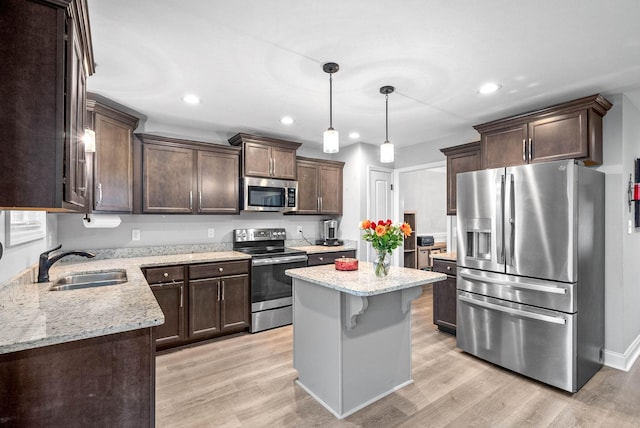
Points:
(191, 99)
(489, 88)
(354, 135)
(286, 120)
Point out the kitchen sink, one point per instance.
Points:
(89, 279)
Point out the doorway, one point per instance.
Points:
(380, 199)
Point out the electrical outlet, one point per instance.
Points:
(299, 230)
(210, 232)
(135, 234)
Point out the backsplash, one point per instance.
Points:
(166, 250)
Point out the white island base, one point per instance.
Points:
(351, 350)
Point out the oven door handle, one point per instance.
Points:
(278, 260)
(511, 311)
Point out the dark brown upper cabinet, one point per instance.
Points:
(572, 130)
(112, 166)
(266, 157)
(462, 158)
(185, 177)
(43, 92)
(319, 186)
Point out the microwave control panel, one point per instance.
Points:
(291, 197)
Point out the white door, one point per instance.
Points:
(380, 199)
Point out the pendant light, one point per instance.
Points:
(331, 138)
(386, 149)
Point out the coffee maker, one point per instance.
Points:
(329, 235)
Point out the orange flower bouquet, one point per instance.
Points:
(384, 237)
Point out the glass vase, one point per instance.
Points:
(382, 263)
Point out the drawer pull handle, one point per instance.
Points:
(512, 311)
(166, 274)
(220, 269)
(321, 258)
(448, 267)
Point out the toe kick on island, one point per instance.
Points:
(352, 333)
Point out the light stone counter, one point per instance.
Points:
(31, 316)
(364, 282)
(452, 257)
(318, 249)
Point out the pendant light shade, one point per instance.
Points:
(331, 138)
(386, 149)
(331, 141)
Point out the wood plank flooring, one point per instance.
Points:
(248, 381)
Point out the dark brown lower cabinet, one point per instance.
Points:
(445, 296)
(329, 257)
(106, 381)
(170, 297)
(200, 301)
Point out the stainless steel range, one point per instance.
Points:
(271, 293)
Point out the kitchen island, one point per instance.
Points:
(352, 332)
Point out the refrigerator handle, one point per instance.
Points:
(500, 220)
(511, 284)
(511, 221)
(512, 311)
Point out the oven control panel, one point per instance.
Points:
(252, 235)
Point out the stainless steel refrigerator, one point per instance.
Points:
(530, 278)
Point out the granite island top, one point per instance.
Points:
(364, 282)
(31, 316)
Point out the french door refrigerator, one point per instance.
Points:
(530, 277)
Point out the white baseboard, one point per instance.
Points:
(623, 361)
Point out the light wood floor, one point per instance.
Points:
(248, 381)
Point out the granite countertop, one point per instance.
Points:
(364, 282)
(31, 316)
(316, 249)
(452, 257)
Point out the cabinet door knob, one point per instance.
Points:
(166, 274)
(220, 269)
(321, 258)
(448, 267)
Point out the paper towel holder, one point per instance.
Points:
(101, 221)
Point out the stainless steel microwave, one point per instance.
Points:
(265, 194)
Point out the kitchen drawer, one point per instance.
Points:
(444, 266)
(535, 342)
(212, 270)
(159, 275)
(329, 258)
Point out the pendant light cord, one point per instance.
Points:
(331, 101)
(386, 115)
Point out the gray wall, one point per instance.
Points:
(178, 229)
(429, 152)
(622, 247)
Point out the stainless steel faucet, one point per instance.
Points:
(46, 262)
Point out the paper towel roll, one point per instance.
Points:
(101, 220)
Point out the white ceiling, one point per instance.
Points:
(254, 61)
